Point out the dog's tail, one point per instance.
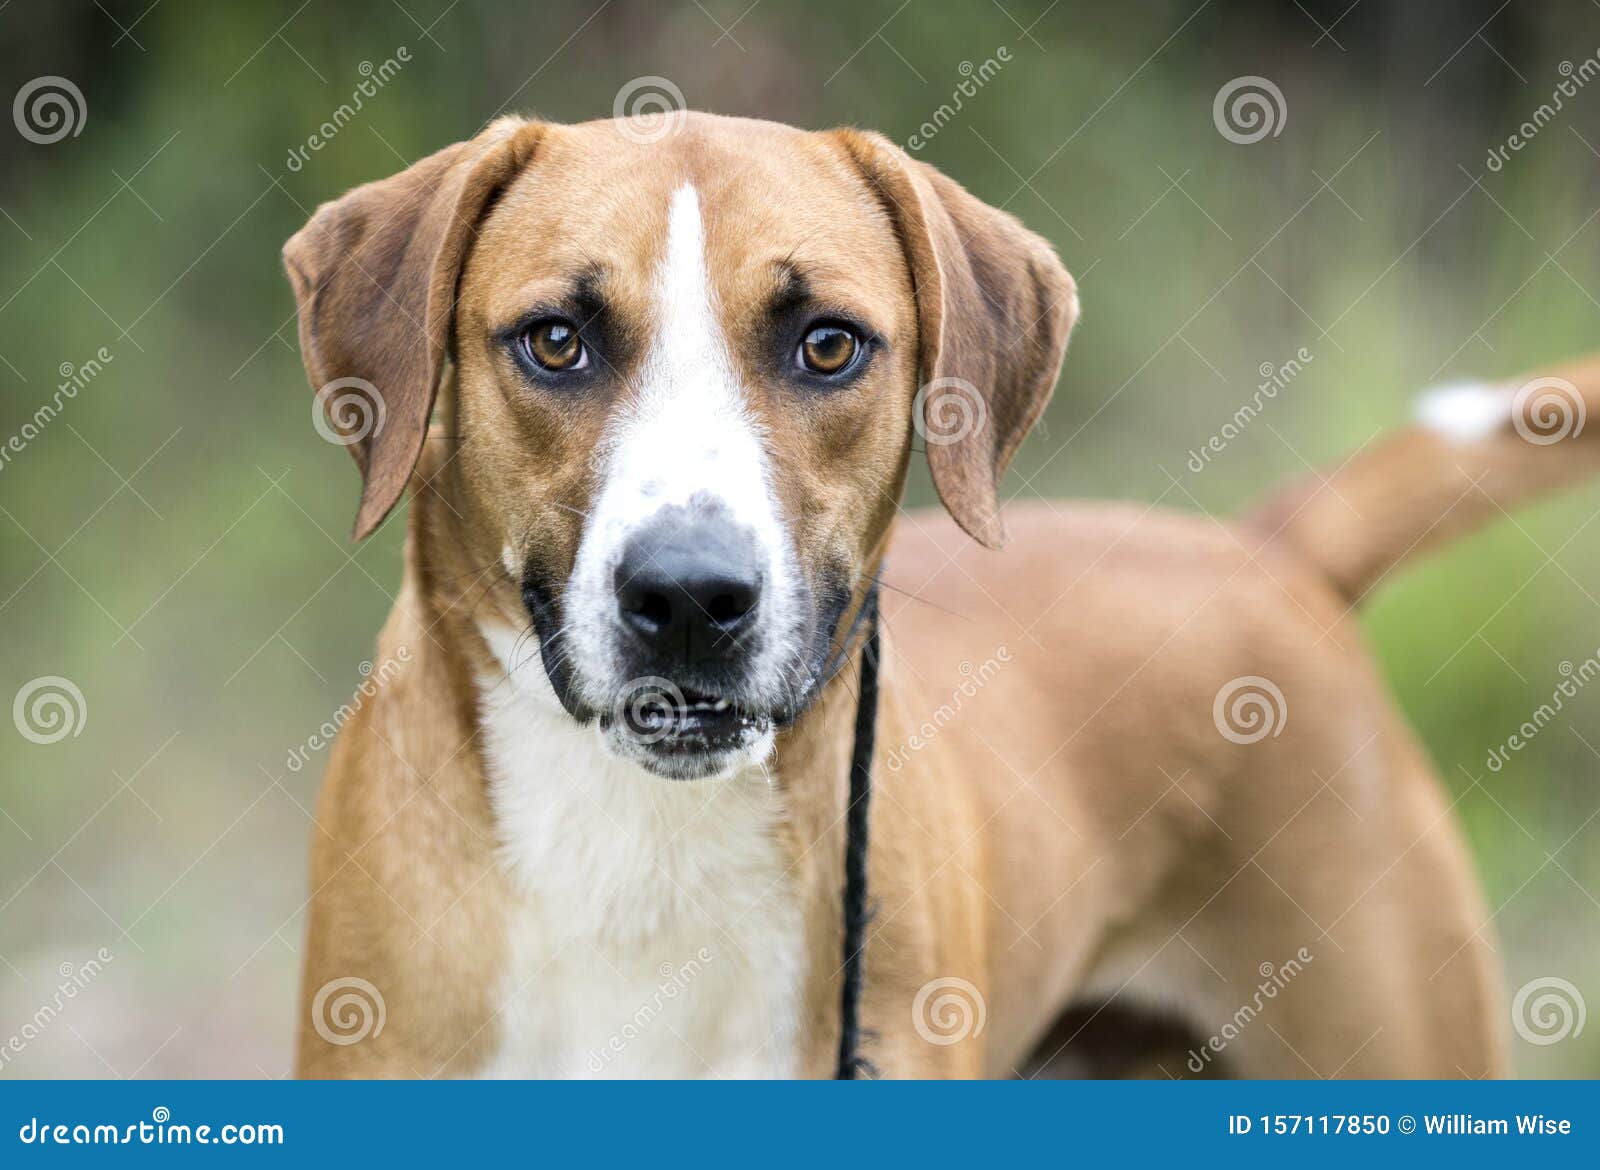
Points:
(1475, 451)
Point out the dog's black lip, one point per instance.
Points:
(830, 650)
(695, 736)
(545, 609)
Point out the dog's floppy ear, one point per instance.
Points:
(994, 307)
(374, 275)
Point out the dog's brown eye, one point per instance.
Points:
(555, 345)
(828, 349)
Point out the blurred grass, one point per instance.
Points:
(183, 604)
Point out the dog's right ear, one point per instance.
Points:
(374, 274)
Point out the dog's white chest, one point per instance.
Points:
(657, 935)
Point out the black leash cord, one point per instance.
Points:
(852, 1064)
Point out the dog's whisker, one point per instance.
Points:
(906, 593)
(484, 596)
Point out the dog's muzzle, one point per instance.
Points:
(688, 590)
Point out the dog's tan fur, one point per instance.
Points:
(1081, 832)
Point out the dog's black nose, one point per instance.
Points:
(688, 586)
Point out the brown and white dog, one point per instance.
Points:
(673, 386)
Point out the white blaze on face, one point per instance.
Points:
(684, 434)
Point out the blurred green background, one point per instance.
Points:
(174, 539)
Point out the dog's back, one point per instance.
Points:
(1189, 705)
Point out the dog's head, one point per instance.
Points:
(687, 367)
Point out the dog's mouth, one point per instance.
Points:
(657, 712)
(681, 733)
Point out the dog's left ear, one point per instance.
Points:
(374, 275)
(994, 308)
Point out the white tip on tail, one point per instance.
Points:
(1464, 412)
